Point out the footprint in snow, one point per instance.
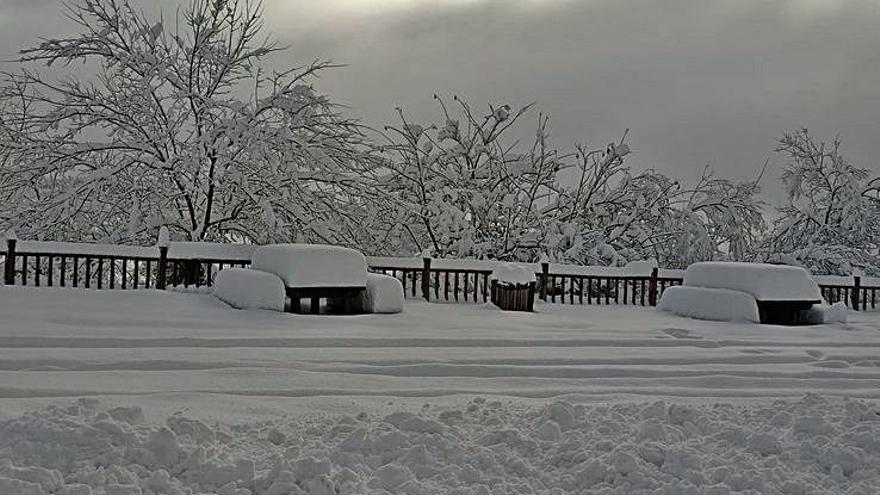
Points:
(815, 354)
(833, 363)
(680, 333)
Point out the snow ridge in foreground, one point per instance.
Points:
(815, 445)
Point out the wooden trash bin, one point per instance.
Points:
(513, 297)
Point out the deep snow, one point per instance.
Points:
(184, 393)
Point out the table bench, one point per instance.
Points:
(340, 300)
(785, 312)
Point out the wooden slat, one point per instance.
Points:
(88, 272)
(112, 273)
(63, 271)
(37, 271)
(76, 271)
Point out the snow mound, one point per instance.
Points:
(384, 294)
(763, 281)
(312, 265)
(825, 313)
(244, 288)
(513, 274)
(814, 445)
(709, 304)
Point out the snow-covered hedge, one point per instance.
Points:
(244, 288)
(384, 294)
(763, 281)
(312, 265)
(709, 304)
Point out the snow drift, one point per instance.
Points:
(244, 288)
(486, 446)
(384, 294)
(709, 304)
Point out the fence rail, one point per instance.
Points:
(134, 268)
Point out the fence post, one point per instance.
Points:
(9, 264)
(857, 285)
(426, 277)
(545, 278)
(652, 288)
(162, 269)
(162, 266)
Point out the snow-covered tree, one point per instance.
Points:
(830, 222)
(456, 188)
(460, 188)
(178, 125)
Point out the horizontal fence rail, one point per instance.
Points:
(128, 267)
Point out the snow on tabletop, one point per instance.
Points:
(513, 274)
(709, 304)
(312, 265)
(763, 281)
(244, 288)
(384, 294)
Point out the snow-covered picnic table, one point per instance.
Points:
(316, 272)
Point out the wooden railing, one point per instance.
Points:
(131, 267)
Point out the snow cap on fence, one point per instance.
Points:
(10, 235)
(164, 238)
(426, 253)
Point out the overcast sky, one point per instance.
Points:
(697, 81)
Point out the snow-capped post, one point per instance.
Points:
(9, 264)
(545, 275)
(652, 287)
(161, 270)
(426, 274)
(857, 286)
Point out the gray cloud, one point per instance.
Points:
(696, 81)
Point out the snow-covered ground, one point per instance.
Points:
(160, 392)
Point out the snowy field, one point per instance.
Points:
(146, 392)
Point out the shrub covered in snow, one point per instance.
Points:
(244, 288)
(312, 265)
(763, 281)
(709, 304)
(384, 294)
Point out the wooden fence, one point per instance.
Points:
(131, 267)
